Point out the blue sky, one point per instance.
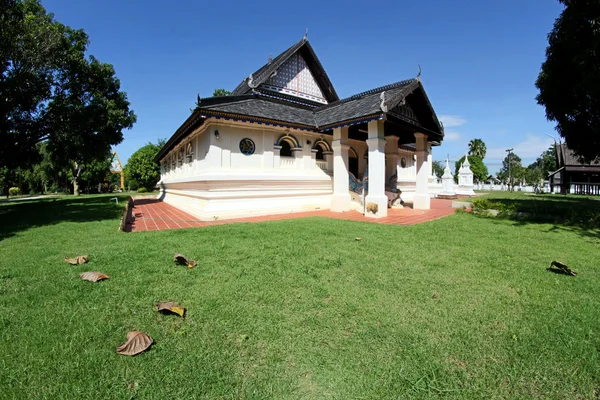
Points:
(480, 59)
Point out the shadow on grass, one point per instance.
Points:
(20, 216)
(577, 214)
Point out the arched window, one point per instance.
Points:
(320, 155)
(286, 149)
(189, 153)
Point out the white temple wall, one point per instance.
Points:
(218, 181)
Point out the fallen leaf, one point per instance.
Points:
(93, 276)
(136, 343)
(435, 295)
(170, 306)
(77, 260)
(183, 260)
(358, 238)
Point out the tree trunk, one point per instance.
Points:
(76, 180)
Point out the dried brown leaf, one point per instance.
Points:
(170, 306)
(183, 260)
(136, 343)
(93, 276)
(358, 238)
(77, 260)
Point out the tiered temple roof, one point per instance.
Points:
(293, 90)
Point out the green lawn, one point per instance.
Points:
(461, 307)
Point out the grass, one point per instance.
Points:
(460, 307)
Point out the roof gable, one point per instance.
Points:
(295, 79)
(296, 72)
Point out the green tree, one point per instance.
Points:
(221, 93)
(512, 171)
(53, 93)
(538, 171)
(477, 148)
(438, 169)
(480, 171)
(569, 80)
(141, 167)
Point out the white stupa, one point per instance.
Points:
(448, 191)
(465, 179)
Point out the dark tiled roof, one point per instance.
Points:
(265, 108)
(263, 73)
(566, 156)
(362, 104)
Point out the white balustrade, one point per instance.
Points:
(287, 162)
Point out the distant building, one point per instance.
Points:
(574, 176)
(284, 142)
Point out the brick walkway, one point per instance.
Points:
(154, 215)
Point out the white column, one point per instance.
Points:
(313, 159)
(340, 200)
(328, 156)
(430, 163)
(421, 199)
(391, 155)
(276, 156)
(376, 199)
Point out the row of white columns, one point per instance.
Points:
(379, 146)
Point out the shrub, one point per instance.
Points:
(482, 206)
(13, 191)
(142, 190)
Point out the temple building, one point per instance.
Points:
(573, 175)
(283, 142)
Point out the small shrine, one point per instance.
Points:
(465, 179)
(448, 191)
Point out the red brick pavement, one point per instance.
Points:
(154, 215)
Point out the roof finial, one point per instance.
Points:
(270, 58)
(306, 35)
(198, 99)
(419, 74)
(383, 106)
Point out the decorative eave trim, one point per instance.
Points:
(350, 122)
(287, 98)
(189, 123)
(414, 123)
(247, 118)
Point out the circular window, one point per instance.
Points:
(403, 163)
(247, 146)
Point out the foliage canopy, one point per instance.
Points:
(569, 81)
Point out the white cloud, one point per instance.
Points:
(528, 150)
(451, 136)
(452, 120)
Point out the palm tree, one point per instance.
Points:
(477, 148)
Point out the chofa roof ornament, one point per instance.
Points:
(419, 74)
(305, 38)
(251, 81)
(383, 106)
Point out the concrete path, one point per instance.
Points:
(155, 215)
